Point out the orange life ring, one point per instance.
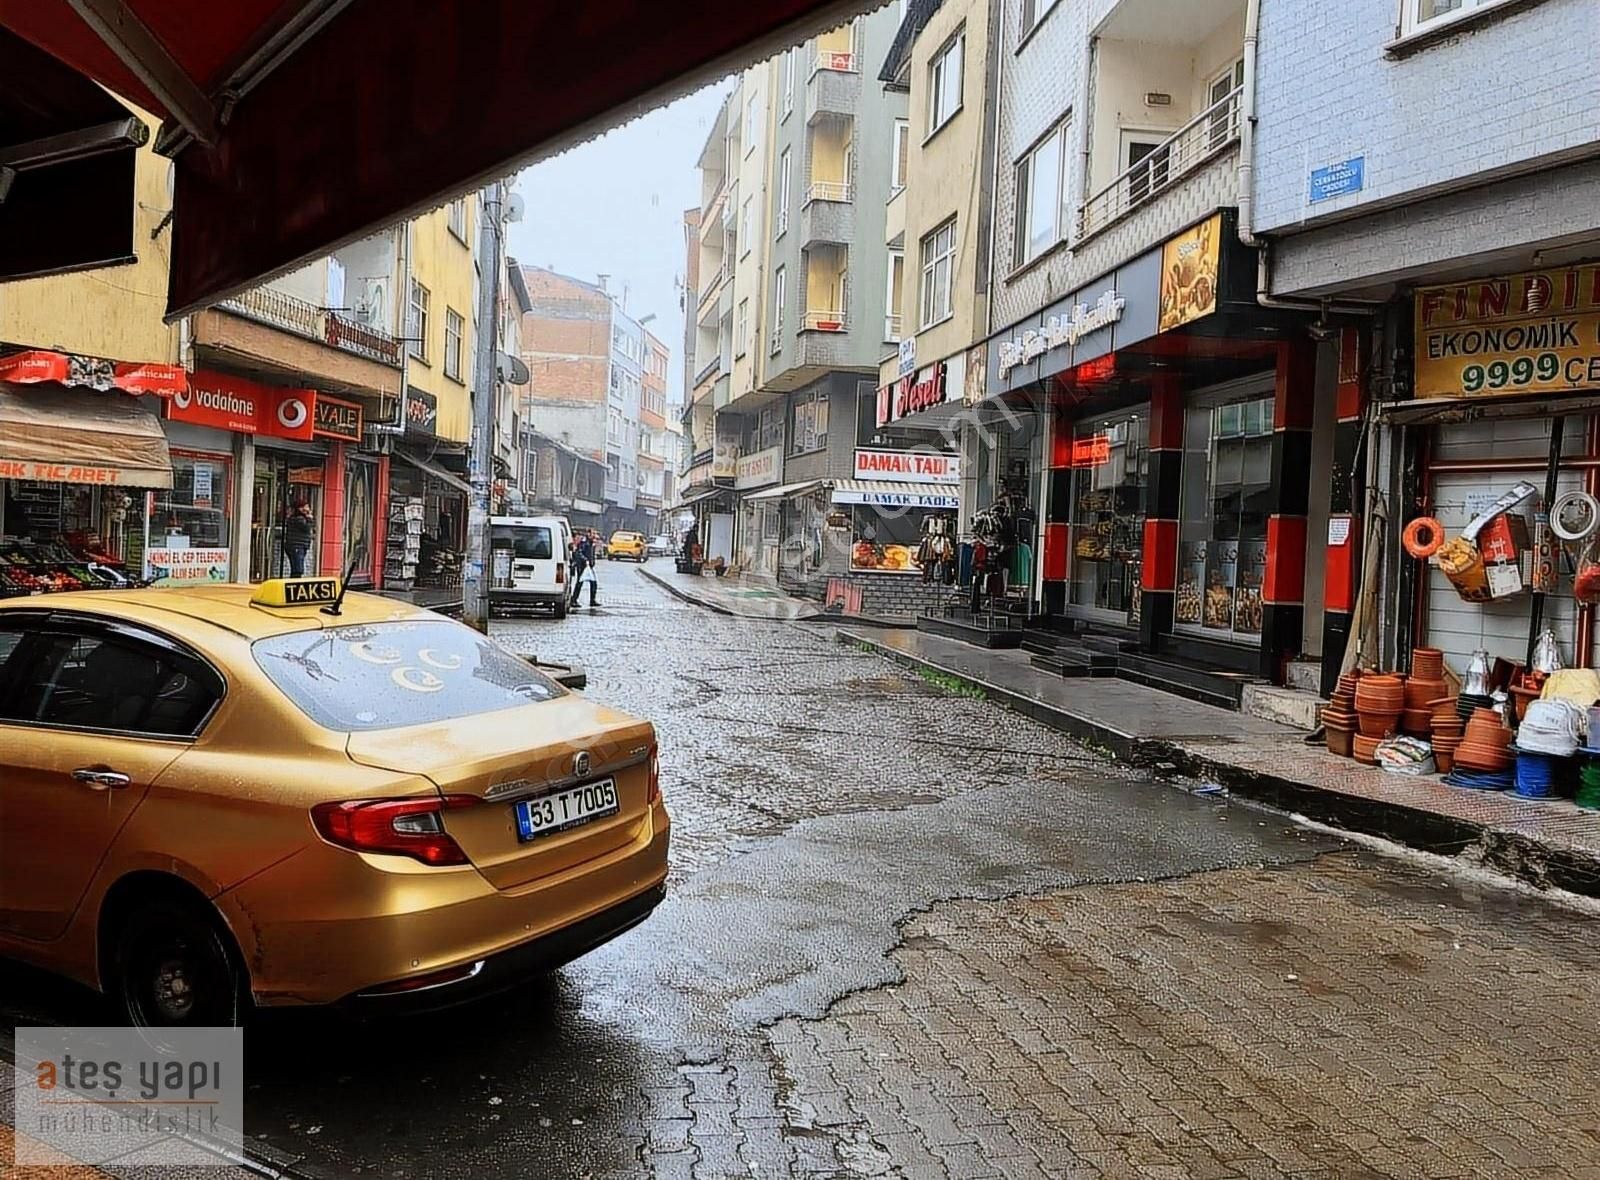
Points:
(1423, 537)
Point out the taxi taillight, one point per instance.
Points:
(403, 827)
(561, 573)
(654, 791)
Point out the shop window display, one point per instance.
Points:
(1110, 461)
(1227, 495)
(58, 537)
(189, 527)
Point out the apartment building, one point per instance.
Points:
(1435, 198)
(586, 362)
(940, 215)
(657, 450)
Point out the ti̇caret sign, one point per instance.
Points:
(1537, 332)
(908, 466)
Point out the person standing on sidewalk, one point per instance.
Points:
(297, 533)
(583, 563)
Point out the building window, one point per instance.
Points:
(784, 176)
(741, 335)
(747, 215)
(1034, 11)
(752, 114)
(417, 322)
(1426, 14)
(1153, 158)
(453, 326)
(938, 263)
(1041, 214)
(780, 281)
(458, 219)
(902, 157)
(788, 82)
(896, 284)
(944, 82)
(808, 424)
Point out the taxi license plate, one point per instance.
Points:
(565, 809)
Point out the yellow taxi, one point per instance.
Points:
(288, 795)
(626, 544)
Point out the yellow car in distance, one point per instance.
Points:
(282, 795)
(626, 544)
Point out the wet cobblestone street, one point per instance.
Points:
(910, 934)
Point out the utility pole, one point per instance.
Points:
(485, 385)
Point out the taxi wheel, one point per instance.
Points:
(173, 968)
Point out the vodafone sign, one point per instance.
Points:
(226, 402)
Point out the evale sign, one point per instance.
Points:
(1061, 331)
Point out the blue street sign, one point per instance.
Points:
(1338, 180)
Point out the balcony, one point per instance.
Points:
(823, 321)
(1208, 135)
(831, 92)
(711, 215)
(828, 215)
(712, 368)
(279, 310)
(708, 294)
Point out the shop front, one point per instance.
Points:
(83, 459)
(1176, 482)
(1506, 405)
(760, 520)
(424, 538)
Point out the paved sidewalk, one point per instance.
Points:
(731, 595)
(1351, 1018)
(1547, 843)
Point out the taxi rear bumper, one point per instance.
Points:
(328, 925)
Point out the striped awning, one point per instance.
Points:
(885, 493)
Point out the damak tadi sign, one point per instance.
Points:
(1537, 332)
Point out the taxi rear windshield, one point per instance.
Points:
(389, 675)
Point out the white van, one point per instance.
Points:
(529, 562)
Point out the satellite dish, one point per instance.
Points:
(515, 207)
(512, 369)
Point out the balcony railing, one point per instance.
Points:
(1181, 153)
(841, 61)
(891, 328)
(713, 367)
(713, 287)
(277, 309)
(827, 190)
(823, 321)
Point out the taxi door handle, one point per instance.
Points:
(99, 778)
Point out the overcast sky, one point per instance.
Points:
(615, 207)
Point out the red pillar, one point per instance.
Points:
(332, 556)
(1284, 584)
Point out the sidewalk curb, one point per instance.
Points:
(1510, 853)
(691, 599)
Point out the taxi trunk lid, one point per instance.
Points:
(509, 756)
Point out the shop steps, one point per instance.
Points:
(1210, 685)
(1067, 655)
(1006, 633)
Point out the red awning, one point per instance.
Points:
(299, 125)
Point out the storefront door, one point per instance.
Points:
(282, 483)
(1227, 498)
(1110, 459)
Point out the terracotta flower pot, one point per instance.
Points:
(1444, 761)
(1471, 755)
(1522, 697)
(1377, 725)
(1340, 742)
(1384, 698)
(1427, 663)
(1365, 749)
(1417, 722)
(1421, 693)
